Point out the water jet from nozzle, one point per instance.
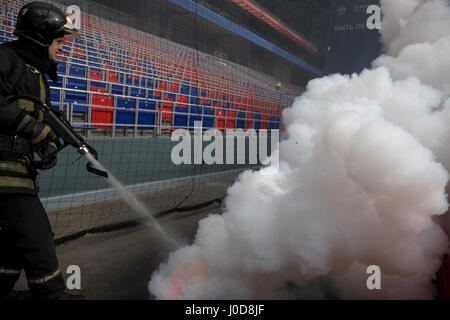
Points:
(131, 200)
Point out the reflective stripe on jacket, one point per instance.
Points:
(15, 174)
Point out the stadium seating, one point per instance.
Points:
(116, 76)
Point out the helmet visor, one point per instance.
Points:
(70, 30)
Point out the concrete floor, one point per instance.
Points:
(119, 264)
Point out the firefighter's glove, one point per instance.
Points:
(47, 153)
(37, 131)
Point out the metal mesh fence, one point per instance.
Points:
(144, 69)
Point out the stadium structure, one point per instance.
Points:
(139, 72)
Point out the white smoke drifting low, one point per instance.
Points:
(359, 183)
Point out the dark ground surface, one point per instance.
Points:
(118, 265)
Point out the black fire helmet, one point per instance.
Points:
(43, 22)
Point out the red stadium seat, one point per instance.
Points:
(100, 99)
(102, 115)
(249, 121)
(213, 95)
(95, 75)
(231, 120)
(161, 86)
(220, 114)
(169, 108)
(99, 114)
(79, 51)
(112, 77)
(102, 90)
(183, 99)
(265, 122)
(173, 87)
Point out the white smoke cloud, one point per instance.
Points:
(359, 183)
(408, 22)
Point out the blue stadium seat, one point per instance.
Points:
(184, 89)
(135, 92)
(180, 119)
(194, 117)
(77, 71)
(76, 84)
(150, 83)
(193, 101)
(135, 81)
(126, 79)
(54, 95)
(61, 69)
(257, 121)
(93, 59)
(208, 118)
(126, 103)
(148, 105)
(196, 110)
(99, 85)
(77, 98)
(125, 117)
(240, 121)
(146, 117)
(274, 123)
(116, 89)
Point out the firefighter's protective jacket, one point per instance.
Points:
(19, 75)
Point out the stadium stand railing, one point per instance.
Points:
(119, 78)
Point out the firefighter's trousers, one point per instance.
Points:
(26, 242)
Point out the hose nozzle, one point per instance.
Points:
(83, 150)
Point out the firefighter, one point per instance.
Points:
(26, 238)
